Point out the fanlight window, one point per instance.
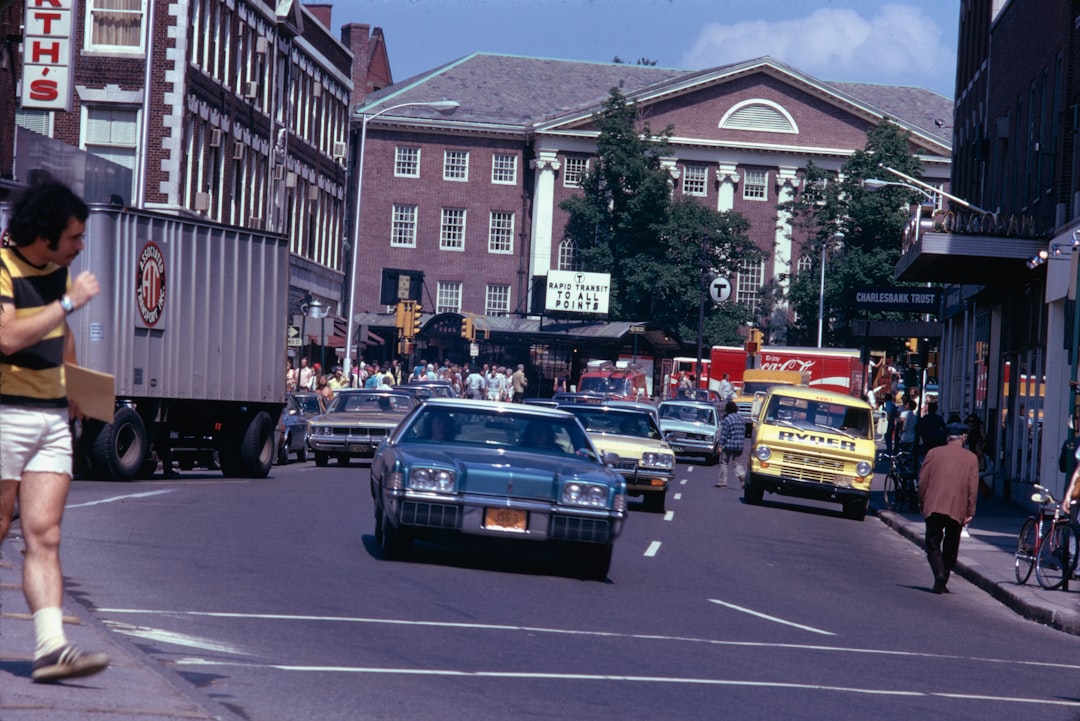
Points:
(763, 116)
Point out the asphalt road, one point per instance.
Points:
(271, 598)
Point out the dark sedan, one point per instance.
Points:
(459, 467)
(300, 408)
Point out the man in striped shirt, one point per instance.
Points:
(44, 236)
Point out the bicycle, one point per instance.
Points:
(1052, 550)
(900, 488)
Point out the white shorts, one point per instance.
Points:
(34, 439)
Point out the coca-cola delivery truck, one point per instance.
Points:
(832, 369)
(191, 320)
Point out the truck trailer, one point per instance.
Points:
(191, 321)
(832, 369)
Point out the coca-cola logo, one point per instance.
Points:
(792, 364)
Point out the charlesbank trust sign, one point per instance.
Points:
(573, 292)
(912, 300)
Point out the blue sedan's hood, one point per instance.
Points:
(509, 472)
(667, 424)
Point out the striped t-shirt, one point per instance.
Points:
(33, 376)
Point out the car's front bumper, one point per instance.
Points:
(501, 517)
(812, 490)
(645, 480)
(357, 442)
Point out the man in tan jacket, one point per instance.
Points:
(948, 488)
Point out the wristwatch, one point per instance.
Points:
(67, 304)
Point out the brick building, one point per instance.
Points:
(1009, 349)
(471, 200)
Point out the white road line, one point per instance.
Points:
(677, 497)
(683, 481)
(173, 638)
(147, 494)
(668, 515)
(1073, 667)
(771, 618)
(652, 550)
(630, 679)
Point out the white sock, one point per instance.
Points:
(49, 630)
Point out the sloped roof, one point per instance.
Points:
(518, 92)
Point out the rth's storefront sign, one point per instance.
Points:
(46, 81)
(572, 292)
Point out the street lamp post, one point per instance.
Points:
(317, 311)
(838, 237)
(446, 107)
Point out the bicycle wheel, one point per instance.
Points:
(891, 491)
(1025, 550)
(1057, 556)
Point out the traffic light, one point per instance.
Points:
(468, 330)
(753, 343)
(412, 310)
(399, 317)
(912, 345)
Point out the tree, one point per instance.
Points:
(626, 224)
(871, 223)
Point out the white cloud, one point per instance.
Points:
(899, 44)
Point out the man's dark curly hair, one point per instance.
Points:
(44, 211)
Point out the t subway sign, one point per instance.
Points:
(572, 292)
(46, 81)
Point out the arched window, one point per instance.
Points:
(568, 259)
(761, 115)
(806, 263)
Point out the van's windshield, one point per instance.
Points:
(805, 413)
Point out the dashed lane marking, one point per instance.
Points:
(653, 549)
(668, 515)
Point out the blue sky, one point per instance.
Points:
(903, 42)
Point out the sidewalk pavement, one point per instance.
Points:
(137, 687)
(134, 687)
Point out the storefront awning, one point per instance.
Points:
(959, 259)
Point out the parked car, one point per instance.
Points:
(299, 409)
(457, 468)
(645, 460)
(691, 428)
(356, 422)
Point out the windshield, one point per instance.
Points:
(370, 403)
(630, 423)
(494, 429)
(687, 413)
(819, 414)
(308, 404)
(606, 385)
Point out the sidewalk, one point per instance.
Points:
(133, 687)
(987, 560)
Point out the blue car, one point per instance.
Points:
(456, 468)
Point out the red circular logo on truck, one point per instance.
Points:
(150, 283)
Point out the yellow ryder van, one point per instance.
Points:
(812, 444)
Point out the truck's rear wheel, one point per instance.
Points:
(257, 447)
(120, 448)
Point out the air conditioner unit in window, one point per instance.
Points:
(215, 137)
(316, 91)
(251, 90)
(279, 172)
(313, 192)
(340, 149)
(261, 44)
(238, 151)
(290, 180)
(202, 202)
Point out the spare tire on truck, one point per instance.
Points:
(120, 447)
(252, 453)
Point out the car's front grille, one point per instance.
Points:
(593, 530)
(802, 467)
(351, 433)
(682, 436)
(430, 515)
(625, 464)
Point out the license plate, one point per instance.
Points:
(505, 519)
(677, 449)
(359, 447)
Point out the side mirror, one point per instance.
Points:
(609, 458)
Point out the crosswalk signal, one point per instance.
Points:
(468, 330)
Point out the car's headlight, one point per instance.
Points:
(320, 430)
(863, 469)
(763, 453)
(653, 459)
(593, 495)
(432, 479)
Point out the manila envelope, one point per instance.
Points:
(93, 392)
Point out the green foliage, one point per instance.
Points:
(871, 223)
(625, 223)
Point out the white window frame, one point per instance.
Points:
(497, 299)
(750, 279)
(695, 179)
(402, 226)
(456, 165)
(805, 264)
(755, 184)
(118, 137)
(452, 229)
(504, 169)
(501, 232)
(568, 257)
(448, 296)
(574, 169)
(402, 162)
(93, 7)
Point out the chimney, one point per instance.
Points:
(321, 13)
